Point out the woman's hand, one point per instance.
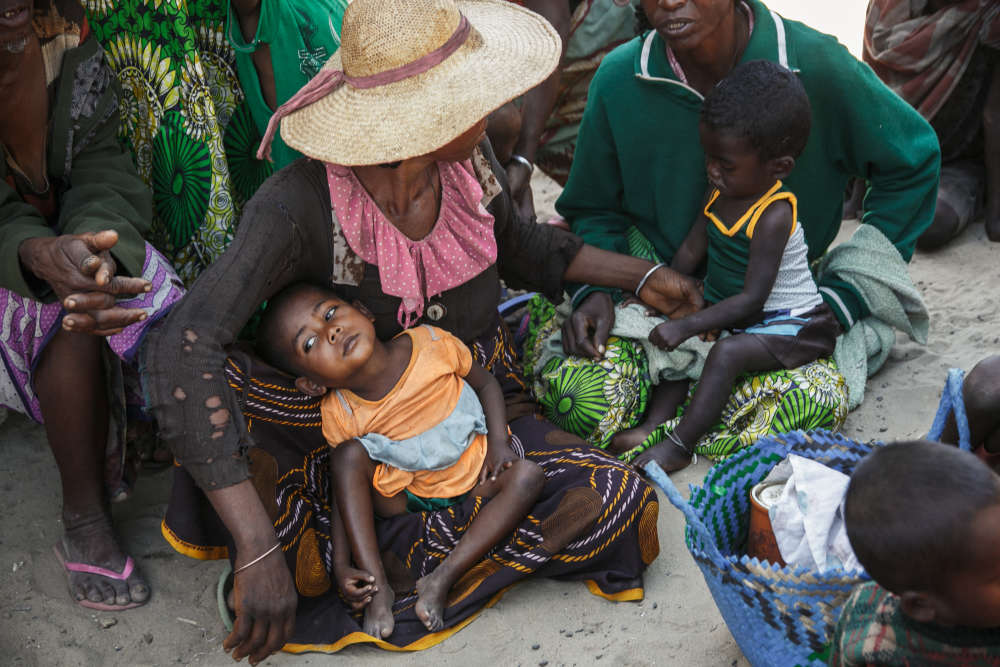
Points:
(80, 270)
(672, 293)
(586, 331)
(265, 609)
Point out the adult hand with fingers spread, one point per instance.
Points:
(265, 602)
(81, 271)
(672, 293)
(585, 332)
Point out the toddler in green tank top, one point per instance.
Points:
(758, 287)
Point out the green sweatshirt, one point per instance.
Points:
(95, 182)
(639, 162)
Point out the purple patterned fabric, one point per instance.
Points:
(26, 326)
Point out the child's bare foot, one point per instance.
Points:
(630, 439)
(671, 457)
(379, 622)
(432, 592)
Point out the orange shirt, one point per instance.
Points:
(424, 396)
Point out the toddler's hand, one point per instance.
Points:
(357, 586)
(669, 335)
(650, 311)
(498, 459)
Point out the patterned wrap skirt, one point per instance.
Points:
(599, 508)
(596, 400)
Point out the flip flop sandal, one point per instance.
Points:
(72, 566)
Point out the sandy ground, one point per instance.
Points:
(677, 623)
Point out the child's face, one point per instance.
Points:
(972, 597)
(331, 340)
(733, 165)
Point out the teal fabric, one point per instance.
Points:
(639, 162)
(876, 271)
(416, 504)
(438, 447)
(302, 35)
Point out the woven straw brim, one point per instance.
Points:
(514, 51)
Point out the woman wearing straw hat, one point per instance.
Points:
(403, 207)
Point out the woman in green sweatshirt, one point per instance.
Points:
(639, 167)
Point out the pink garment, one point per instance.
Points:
(459, 247)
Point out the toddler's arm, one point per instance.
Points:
(766, 248)
(499, 455)
(692, 252)
(357, 585)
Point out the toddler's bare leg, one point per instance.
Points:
(729, 358)
(513, 494)
(351, 473)
(663, 402)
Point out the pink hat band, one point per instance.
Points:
(329, 80)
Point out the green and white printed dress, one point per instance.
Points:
(192, 130)
(596, 400)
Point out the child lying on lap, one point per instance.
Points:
(405, 428)
(924, 520)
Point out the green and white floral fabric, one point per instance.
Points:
(185, 118)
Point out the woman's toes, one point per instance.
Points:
(138, 592)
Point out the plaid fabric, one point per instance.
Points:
(923, 56)
(873, 631)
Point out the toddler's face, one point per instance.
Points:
(733, 165)
(972, 597)
(331, 339)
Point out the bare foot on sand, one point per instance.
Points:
(91, 556)
(379, 622)
(671, 457)
(432, 592)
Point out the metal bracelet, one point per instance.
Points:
(257, 559)
(642, 283)
(523, 160)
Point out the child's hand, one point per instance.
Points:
(650, 311)
(669, 335)
(499, 457)
(357, 586)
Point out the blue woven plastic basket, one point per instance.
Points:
(780, 616)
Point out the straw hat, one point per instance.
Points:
(508, 51)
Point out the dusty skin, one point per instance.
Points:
(677, 623)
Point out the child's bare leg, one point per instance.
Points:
(981, 394)
(663, 403)
(729, 358)
(513, 494)
(351, 473)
